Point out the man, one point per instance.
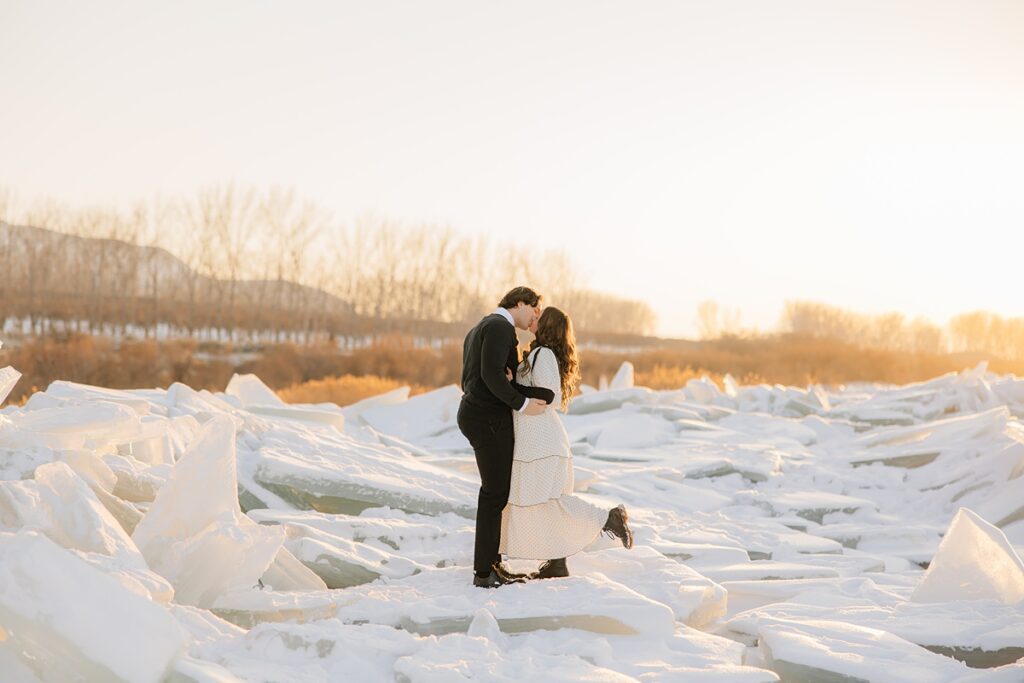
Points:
(489, 355)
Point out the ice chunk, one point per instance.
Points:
(137, 578)
(183, 400)
(636, 431)
(484, 625)
(20, 506)
(203, 626)
(89, 467)
(133, 480)
(814, 505)
(75, 518)
(401, 543)
(8, 378)
(326, 650)
(716, 458)
(248, 607)
(458, 657)
(339, 474)
(444, 601)
(78, 393)
(601, 401)
(814, 401)
(624, 377)
(344, 558)
(695, 494)
(769, 430)
(188, 669)
(768, 570)
(302, 414)
(62, 506)
(51, 603)
(287, 573)
(341, 563)
(695, 599)
(102, 481)
(91, 425)
(419, 417)
(751, 538)
(980, 633)
(388, 398)
(689, 655)
(128, 515)
(1005, 505)
(251, 391)
(974, 561)
(1011, 673)
(195, 534)
(914, 542)
(833, 651)
(703, 390)
(11, 664)
(20, 463)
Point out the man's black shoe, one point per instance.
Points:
(617, 526)
(551, 569)
(504, 572)
(493, 580)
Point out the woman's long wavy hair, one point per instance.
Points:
(554, 330)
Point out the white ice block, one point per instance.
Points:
(8, 378)
(834, 651)
(636, 431)
(73, 622)
(421, 416)
(195, 534)
(974, 562)
(624, 377)
(87, 425)
(250, 390)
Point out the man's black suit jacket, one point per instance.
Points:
(490, 349)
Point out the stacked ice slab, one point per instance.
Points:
(861, 533)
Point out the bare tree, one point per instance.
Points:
(287, 230)
(707, 320)
(37, 249)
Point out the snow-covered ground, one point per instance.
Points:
(865, 534)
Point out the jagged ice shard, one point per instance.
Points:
(195, 535)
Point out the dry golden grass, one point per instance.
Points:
(672, 376)
(318, 374)
(99, 361)
(343, 390)
(788, 359)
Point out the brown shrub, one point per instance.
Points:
(300, 372)
(672, 377)
(99, 361)
(343, 390)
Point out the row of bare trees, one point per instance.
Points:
(980, 331)
(433, 273)
(988, 333)
(251, 263)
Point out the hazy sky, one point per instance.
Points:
(864, 154)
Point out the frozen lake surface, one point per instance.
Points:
(870, 533)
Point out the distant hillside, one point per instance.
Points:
(50, 277)
(60, 282)
(110, 267)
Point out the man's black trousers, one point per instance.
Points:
(491, 435)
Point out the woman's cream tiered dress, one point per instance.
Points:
(543, 520)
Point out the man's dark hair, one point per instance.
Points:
(520, 294)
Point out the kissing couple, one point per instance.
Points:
(526, 508)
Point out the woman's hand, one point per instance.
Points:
(508, 373)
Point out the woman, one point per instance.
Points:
(543, 520)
